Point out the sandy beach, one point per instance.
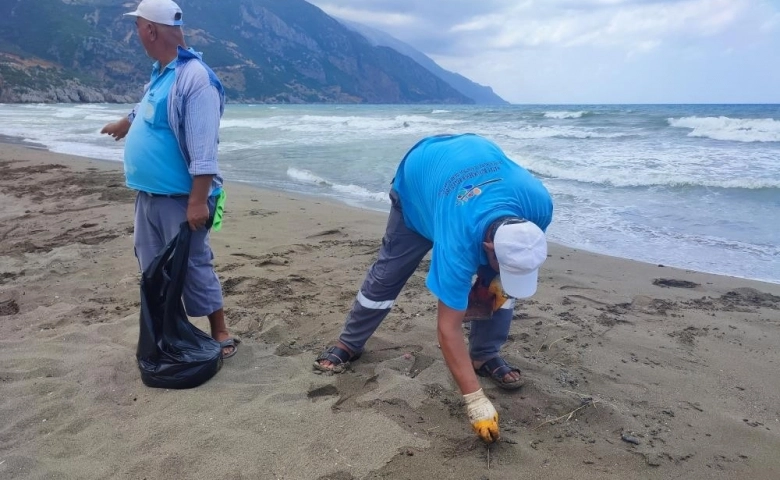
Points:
(634, 371)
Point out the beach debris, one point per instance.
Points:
(585, 402)
(8, 307)
(331, 231)
(671, 282)
(547, 347)
(630, 439)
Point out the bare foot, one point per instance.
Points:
(221, 336)
(220, 333)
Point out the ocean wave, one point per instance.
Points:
(305, 176)
(102, 117)
(533, 132)
(629, 178)
(254, 123)
(564, 115)
(350, 191)
(730, 129)
(329, 123)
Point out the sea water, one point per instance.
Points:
(692, 186)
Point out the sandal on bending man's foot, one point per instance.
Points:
(338, 357)
(496, 369)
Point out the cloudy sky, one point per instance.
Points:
(592, 51)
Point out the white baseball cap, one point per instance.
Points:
(164, 12)
(521, 248)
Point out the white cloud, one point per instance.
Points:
(387, 19)
(591, 50)
(633, 26)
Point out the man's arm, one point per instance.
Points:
(200, 122)
(453, 347)
(201, 137)
(197, 206)
(201, 130)
(119, 129)
(482, 414)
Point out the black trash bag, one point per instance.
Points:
(172, 352)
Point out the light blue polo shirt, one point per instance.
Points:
(451, 188)
(153, 160)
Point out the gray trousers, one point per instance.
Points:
(401, 253)
(157, 221)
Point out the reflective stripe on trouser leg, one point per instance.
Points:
(488, 336)
(400, 254)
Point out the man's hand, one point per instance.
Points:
(197, 215)
(117, 129)
(198, 205)
(482, 415)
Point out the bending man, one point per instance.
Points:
(480, 212)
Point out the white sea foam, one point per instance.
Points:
(626, 175)
(351, 191)
(309, 123)
(330, 129)
(564, 115)
(529, 132)
(362, 193)
(252, 123)
(731, 129)
(88, 150)
(305, 176)
(102, 117)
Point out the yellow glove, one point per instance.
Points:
(482, 415)
(485, 300)
(497, 290)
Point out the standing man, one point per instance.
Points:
(171, 157)
(481, 213)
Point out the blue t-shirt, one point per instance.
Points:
(153, 160)
(451, 188)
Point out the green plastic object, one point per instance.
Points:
(219, 210)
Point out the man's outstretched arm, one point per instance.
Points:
(482, 414)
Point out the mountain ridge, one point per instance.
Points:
(265, 51)
(481, 94)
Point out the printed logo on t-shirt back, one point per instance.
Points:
(469, 191)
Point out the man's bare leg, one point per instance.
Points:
(219, 330)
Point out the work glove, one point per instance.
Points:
(484, 299)
(482, 415)
(497, 291)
